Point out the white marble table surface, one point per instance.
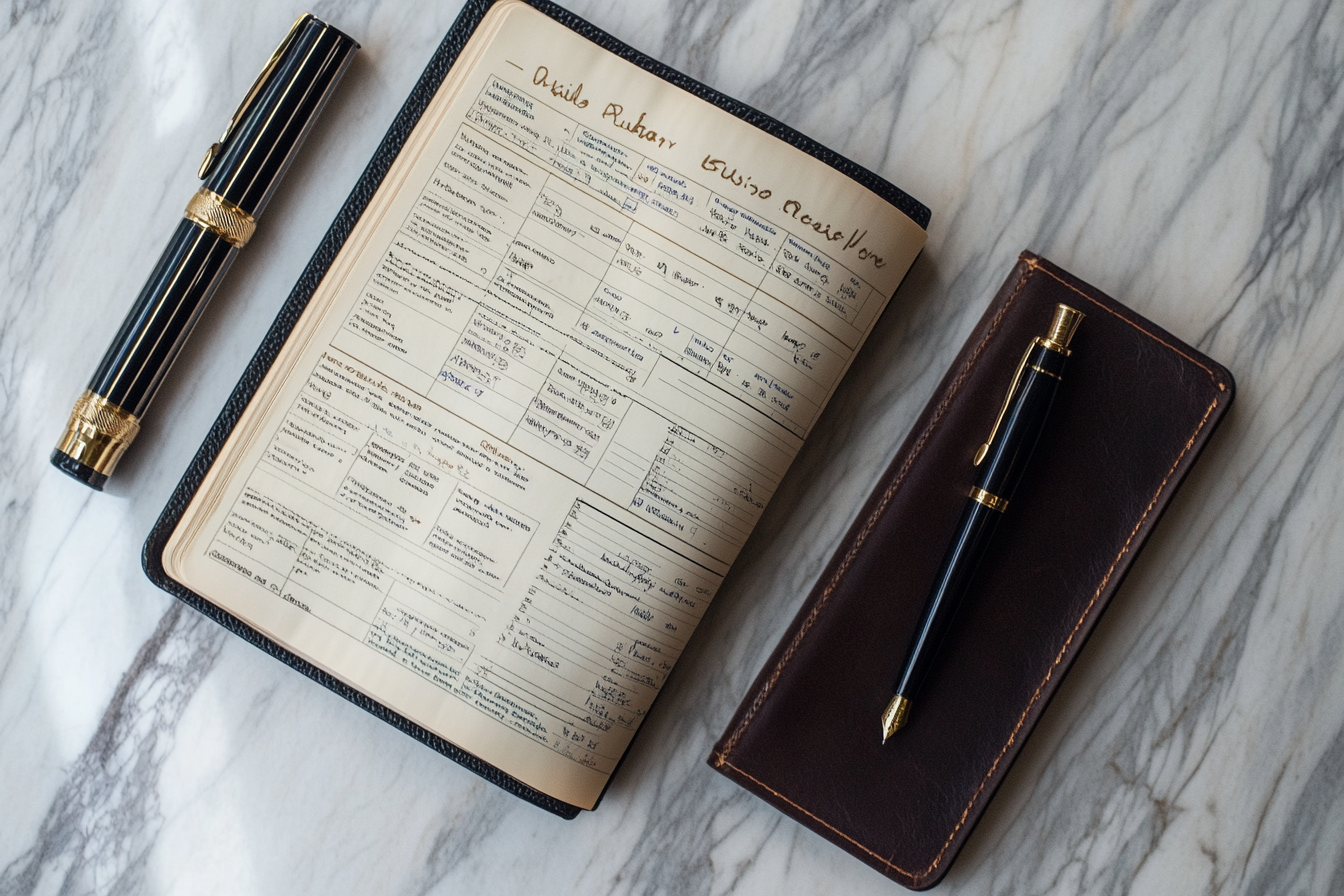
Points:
(1186, 157)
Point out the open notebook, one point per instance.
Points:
(531, 397)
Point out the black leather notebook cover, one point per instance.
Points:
(368, 184)
(1135, 409)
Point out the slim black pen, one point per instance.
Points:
(240, 172)
(1004, 455)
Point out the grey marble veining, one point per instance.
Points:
(1185, 157)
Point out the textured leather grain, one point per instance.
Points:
(1134, 411)
(335, 238)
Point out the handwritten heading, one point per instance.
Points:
(542, 78)
(737, 180)
(614, 111)
(854, 239)
(642, 128)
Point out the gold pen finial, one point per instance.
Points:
(1062, 328)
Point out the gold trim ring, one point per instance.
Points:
(992, 501)
(221, 217)
(98, 433)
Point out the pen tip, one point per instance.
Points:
(898, 710)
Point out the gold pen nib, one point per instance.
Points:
(898, 710)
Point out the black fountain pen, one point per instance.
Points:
(240, 172)
(1004, 455)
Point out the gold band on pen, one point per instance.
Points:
(220, 216)
(990, 500)
(98, 433)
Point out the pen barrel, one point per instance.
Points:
(152, 335)
(1003, 465)
(1023, 421)
(255, 157)
(106, 418)
(974, 530)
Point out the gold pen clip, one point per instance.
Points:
(258, 86)
(1007, 400)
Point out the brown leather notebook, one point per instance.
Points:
(1132, 414)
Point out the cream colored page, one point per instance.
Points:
(547, 405)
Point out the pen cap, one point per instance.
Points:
(1038, 376)
(258, 148)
